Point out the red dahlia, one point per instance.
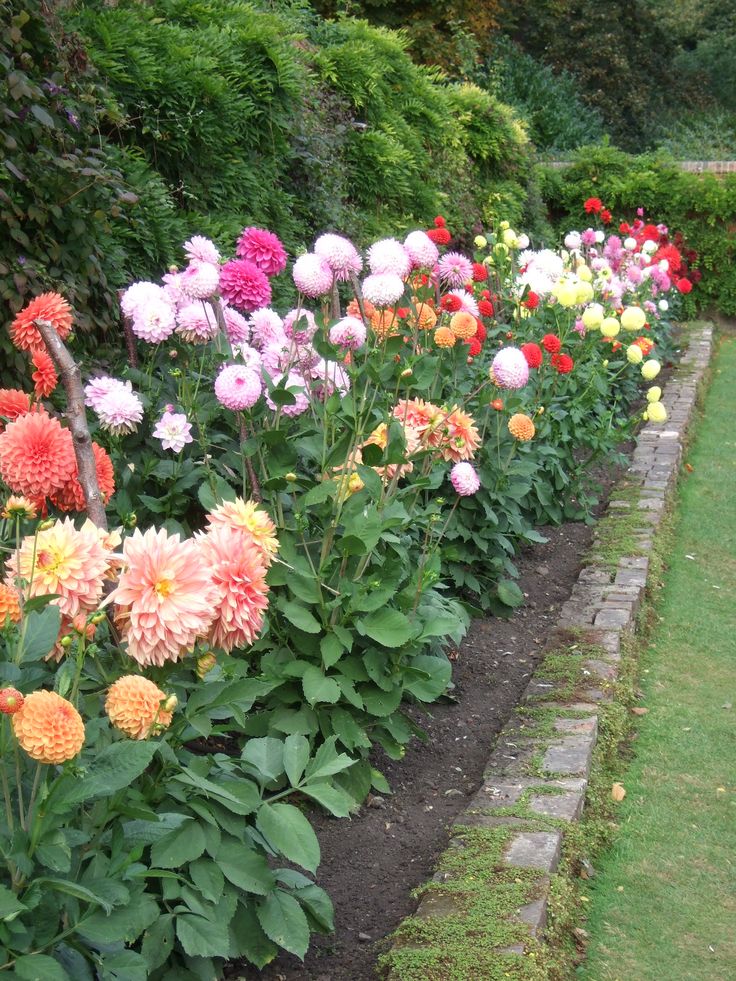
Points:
(474, 347)
(480, 272)
(451, 303)
(439, 222)
(480, 331)
(531, 302)
(440, 236)
(593, 205)
(684, 285)
(563, 363)
(485, 308)
(533, 354)
(551, 343)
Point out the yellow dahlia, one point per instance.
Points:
(521, 427)
(71, 562)
(19, 507)
(248, 517)
(48, 727)
(135, 706)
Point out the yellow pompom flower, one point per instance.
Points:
(584, 291)
(610, 327)
(566, 293)
(634, 354)
(480, 241)
(654, 394)
(593, 316)
(650, 369)
(584, 272)
(656, 412)
(633, 318)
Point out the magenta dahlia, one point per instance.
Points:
(263, 249)
(244, 285)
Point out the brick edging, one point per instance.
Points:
(549, 774)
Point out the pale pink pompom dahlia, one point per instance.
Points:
(383, 289)
(421, 250)
(312, 275)
(196, 322)
(201, 249)
(455, 269)
(200, 280)
(154, 320)
(263, 249)
(293, 381)
(348, 333)
(340, 255)
(236, 326)
(165, 599)
(510, 368)
(389, 256)
(464, 479)
(238, 387)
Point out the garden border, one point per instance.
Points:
(535, 783)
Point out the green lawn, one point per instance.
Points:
(663, 906)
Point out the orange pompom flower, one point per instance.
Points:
(11, 701)
(48, 306)
(425, 318)
(9, 605)
(36, 455)
(521, 427)
(253, 521)
(444, 337)
(384, 323)
(48, 727)
(135, 706)
(44, 377)
(70, 496)
(463, 325)
(165, 598)
(13, 403)
(71, 562)
(238, 571)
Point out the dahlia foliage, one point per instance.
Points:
(304, 505)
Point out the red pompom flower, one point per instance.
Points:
(533, 354)
(551, 343)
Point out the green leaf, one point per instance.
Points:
(10, 905)
(74, 889)
(124, 965)
(318, 903)
(248, 939)
(319, 493)
(509, 593)
(436, 673)
(267, 756)
(245, 868)
(42, 116)
(141, 832)
(300, 617)
(331, 650)
(318, 688)
(41, 631)
(207, 876)
(333, 799)
(284, 921)
(183, 845)
(287, 831)
(347, 730)
(245, 801)
(39, 967)
(439, 625)
(210, 497)
(158, 942)
(201, 937)
(126, 923)
(296, 756)
(115, 767)
(381, 702)
(327, 761)
(388, 627)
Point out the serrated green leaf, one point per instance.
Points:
(201, 937)
(284, 921)
(331, 649)
(300, 617)
(267, 756)
(509, 593)
(288, 832)
(388, 627)
(39, 967)
(115, 767)
(125, 923)
(248, 939)
(327, 761)
(183, 845)
(318, 904)
(296, 756)
(333, 799)
(244, 867)
(319, 688)
(41, 628)
(381, 703)
(436, 675)
(210, 497)
(10, 905)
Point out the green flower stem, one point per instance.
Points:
(19, 786)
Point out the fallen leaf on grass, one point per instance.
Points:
(720, 790)
(638, 710)
(618, 792)
(727, 705)
(689, 468)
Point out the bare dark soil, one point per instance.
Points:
(371, 864)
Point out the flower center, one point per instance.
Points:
(164, 588)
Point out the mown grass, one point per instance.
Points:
(663, 905)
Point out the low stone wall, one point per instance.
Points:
(542, 771)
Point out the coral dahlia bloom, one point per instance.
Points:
(9, 605)
(70, 496)
(238, 572)
(135, 706)
(44, 377)
(11, 701)
(463, 325)
(36, 455)
(247, 517)
(263, 249)
(48, 727)
(13, 403)
(460, 437)
(48, 306)
(165, 599)
(70, 562)
(521, 427)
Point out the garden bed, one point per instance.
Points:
(371, 865)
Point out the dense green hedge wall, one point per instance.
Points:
(702, 207)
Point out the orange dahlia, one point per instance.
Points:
(521, 427)
(19, 507)
(135, 706)
(253, 521)
(70, 562)
(463, 325)
(460, 436)
(444, 337)
(353, 309)
(47, 306)
(165, 598)
(44, 377)
(13, 403)
(384, 323)
(425, 317)
(70, 496)
(238, 572)
(36, 455)
(9, 605)
(48, 727)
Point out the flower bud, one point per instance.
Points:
(170, 704)
(290, 477)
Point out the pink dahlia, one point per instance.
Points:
(455, 269)
(250, 520)
(236, 326)
(300, 325)
(196, 322)
(312, 275)
(389, 256)
(293, 381)
(201, 249)
(174, 290)
(63, 560)
(238, 573)
(165, 599)
(174, 431)
(340, 255)
(383, 289)
(244, 285)
(464, 479)
(154, 320)
(238, 387)
(263, 249)
(97, 388)
(510, 368)
(140, 294)
(266, 327)
(200, 280)
(119, 410)
(421, 250)
(330, 377)
(468, 302)
(348, 333)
